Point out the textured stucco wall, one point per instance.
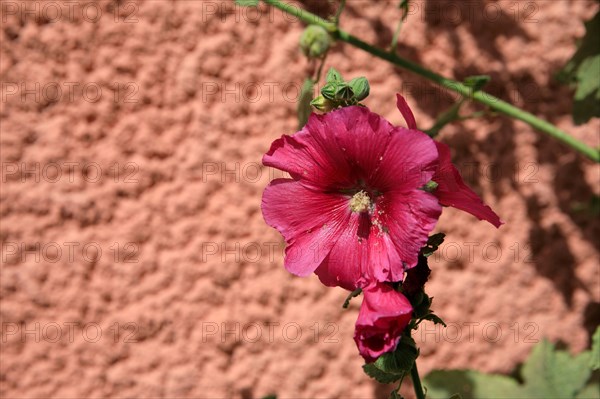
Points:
(150, 153)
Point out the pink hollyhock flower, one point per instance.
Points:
(353, 211)
(452, 190)
(383, 315)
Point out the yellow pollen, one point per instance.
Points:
(360, 202)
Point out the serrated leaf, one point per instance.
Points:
(546, 374)
(247, 3)
(591, 391)
(595, 356)
(583, 71)
(304, 102)
(435, 319)
(385, 378)
(554, 374)
(470, 385)
(388, 363)
(433, 243)
(421, 304)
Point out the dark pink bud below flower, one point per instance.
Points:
(383, 316)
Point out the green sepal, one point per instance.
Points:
(360, 87)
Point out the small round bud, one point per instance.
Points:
(323, 104)
(315, 41)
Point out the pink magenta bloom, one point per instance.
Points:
(452, 190)
(383, 315)
(353, 211)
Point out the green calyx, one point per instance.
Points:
(315, 41)
(338, 93)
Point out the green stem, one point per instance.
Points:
(398, 27)
(339, 12)
(479, 96)
(414, 375)
(396, 36)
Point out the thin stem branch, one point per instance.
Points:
(396, 36)
(398, 27)
(320, 69)
(458, 87)
(336, 19)
(414, 375)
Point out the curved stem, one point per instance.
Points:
(458, 87)
(414, 375)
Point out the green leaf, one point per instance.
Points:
(395, 395)
(381, 376)
(247, 3)
(470, 384)
(304, 109)
(360, 87)
(421, 303)
(435, 319)
(583, 72)
(591, 391)
(456, 396)
(554, 374)
(433, 243)
(546, 374)
(595, 356)
(391, 366)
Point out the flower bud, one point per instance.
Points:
(315, 41)
(333, 76)
(344, 93)
(328, 91)
(323, 104)
(360, 87)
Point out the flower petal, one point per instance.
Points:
(311, 155)
(383, 315)
(310, 222)
(406, 111)
(410, 160)
(346, 264)
(363, 137)
(407, 218)
(452, 190)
